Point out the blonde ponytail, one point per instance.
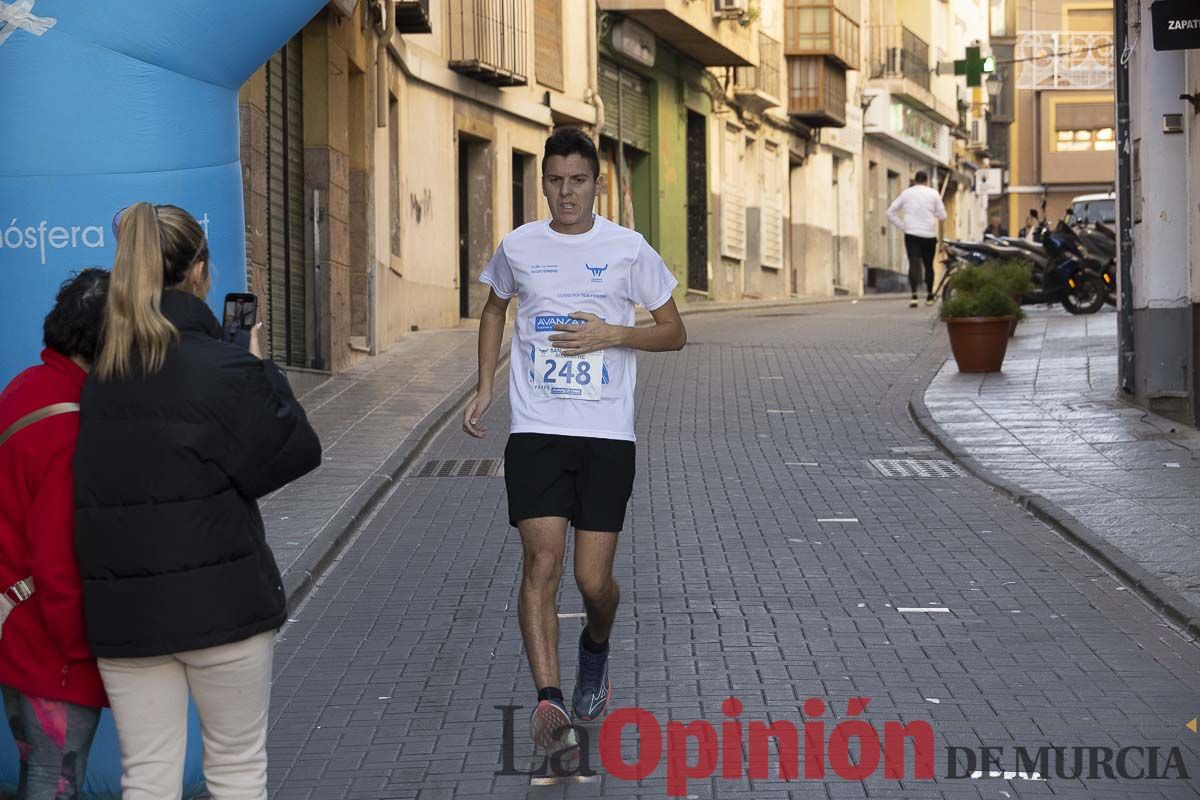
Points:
(155, 248)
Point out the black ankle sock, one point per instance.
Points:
(585, 641)
(550, 693)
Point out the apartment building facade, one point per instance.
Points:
(1054, 120)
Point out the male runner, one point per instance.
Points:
(570, 457)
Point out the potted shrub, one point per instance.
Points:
(1016, 279)
(978, 317)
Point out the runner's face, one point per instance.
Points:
(570, 189)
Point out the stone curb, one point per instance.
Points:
(325, 547)
(1150, 588)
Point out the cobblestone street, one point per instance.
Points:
(764, 558)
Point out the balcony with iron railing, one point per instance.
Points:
(488, 40)
(817, 91)
(897, 52)
(899, 63)
(758, 88)
(822, 28)
(1064, 60)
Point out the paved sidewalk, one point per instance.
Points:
(1050, 424)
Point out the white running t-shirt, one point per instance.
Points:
(606, 271)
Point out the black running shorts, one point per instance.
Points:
(584, 479)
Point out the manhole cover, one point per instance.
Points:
(916, 468)
(461, 468)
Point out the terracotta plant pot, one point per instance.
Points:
(979, 343)
(1012, 328)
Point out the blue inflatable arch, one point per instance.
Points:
(103, 104)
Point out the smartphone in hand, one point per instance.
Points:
(241, 315)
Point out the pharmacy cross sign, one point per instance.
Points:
(974, 67)
(17, 15)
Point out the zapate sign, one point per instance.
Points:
(1176, 24)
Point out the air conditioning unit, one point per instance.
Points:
(731, 9)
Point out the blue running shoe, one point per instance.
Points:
(592, 685)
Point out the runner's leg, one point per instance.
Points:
(594, 552)
(544, 542)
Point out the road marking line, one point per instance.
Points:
(781, 411)
(837, 519)
(938, 610)
(564, 779)
(573, 615)
(801, 464)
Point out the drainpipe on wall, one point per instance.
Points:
(381, 65)
(1126, 363)
(382, 81)
(593, 91)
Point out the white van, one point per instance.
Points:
(1093, 208)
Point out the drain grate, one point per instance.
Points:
(461, 468)
(916, 468)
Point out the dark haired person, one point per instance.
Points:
(917, 211)
(995, 227)
(570, 456)
(52, 690)
(181, 434)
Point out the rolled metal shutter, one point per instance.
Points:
(630, 105)
(286, 270)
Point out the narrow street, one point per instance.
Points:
(765, 558)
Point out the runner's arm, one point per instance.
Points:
(491, 334)
(667, 332)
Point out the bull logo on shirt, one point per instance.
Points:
(597, 272)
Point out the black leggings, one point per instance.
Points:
(921, 251)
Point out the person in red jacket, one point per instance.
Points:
(51, 687)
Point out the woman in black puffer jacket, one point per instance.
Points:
(180, 434)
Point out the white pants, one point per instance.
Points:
(231, 685)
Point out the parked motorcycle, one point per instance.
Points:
(1057, 265)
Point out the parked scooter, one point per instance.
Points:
(1056, 264)
(1100, 243)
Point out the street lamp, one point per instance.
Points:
(993, 83)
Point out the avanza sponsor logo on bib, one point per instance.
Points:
(544, 324)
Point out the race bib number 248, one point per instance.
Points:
(568, 377)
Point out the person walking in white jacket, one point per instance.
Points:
(916, 211)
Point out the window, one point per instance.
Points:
(1084, 127)
(522, 188)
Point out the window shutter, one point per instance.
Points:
(548, 34)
